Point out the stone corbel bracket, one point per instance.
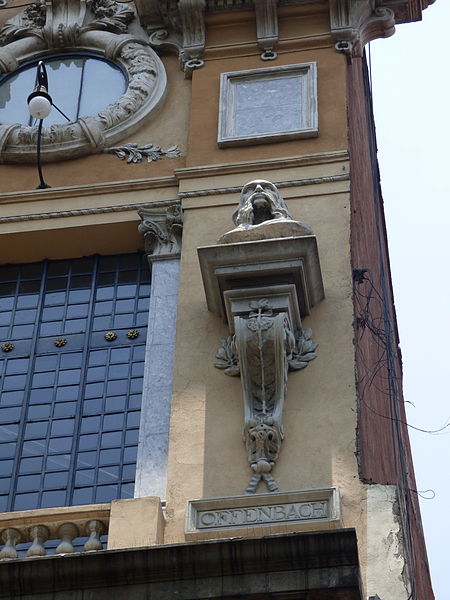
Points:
(162, 229)
(180, 26)
(267, 27)
(182, 31)
(354, 23)
(262, 288)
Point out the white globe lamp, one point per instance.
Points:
(39, 104)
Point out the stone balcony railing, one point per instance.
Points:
(125, 523)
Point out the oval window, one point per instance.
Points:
(80, 86)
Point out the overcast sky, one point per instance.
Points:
(411, 91)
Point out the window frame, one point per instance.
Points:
(83, 54)
(307, 74)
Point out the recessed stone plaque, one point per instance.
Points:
(304, 510)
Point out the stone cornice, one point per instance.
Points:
(81, 212)
(112, 187)
(258, 165)
(180, 26)
(221, 566)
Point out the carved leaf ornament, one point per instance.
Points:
(101, 27)
(262, 351)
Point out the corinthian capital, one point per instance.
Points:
(162, 229)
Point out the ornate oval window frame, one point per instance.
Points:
(102, 27)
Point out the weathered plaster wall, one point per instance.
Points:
(385, 574)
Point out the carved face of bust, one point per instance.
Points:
(260, 201)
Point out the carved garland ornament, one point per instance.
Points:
(262, 351)
(98, 26)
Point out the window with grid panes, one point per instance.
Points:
(69, 414)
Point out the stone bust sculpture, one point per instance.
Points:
(260, 201)
(262, 214)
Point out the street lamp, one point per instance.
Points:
(40, 104)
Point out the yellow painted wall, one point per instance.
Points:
(207, 456)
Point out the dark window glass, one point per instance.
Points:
(7, 450)
(76, 406)
(56, 480)
(80, 85)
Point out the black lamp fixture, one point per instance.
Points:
(40, 104)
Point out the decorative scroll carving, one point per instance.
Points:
(355, 23)
(110, 16)
(133, 153)
(262, 351)
(162, 231)
(28, 23)
(100, 26)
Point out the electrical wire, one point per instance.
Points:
(375, 317)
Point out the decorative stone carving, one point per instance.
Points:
(162, 230)
(10, 537)
(262, 290)
(267, 27)
(262, 350)
(192, 17)
(354, 23)
(94, 529)
(101, 26)
(39, 534)
(67, 532)
(262, 214)
(133, 153)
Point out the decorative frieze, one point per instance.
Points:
(301, 510)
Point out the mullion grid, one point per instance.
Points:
(20, 303)
(124, 473)
(94, 468)
(55, 461)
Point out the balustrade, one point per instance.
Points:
(85, 524)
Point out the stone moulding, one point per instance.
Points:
(276, 260)
(103, 27)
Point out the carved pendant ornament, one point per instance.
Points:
(262, 351)
(268, 339)
(103, 27)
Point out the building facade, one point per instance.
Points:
(201, 380)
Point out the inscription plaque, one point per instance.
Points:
(276, 513)
(296, 511)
